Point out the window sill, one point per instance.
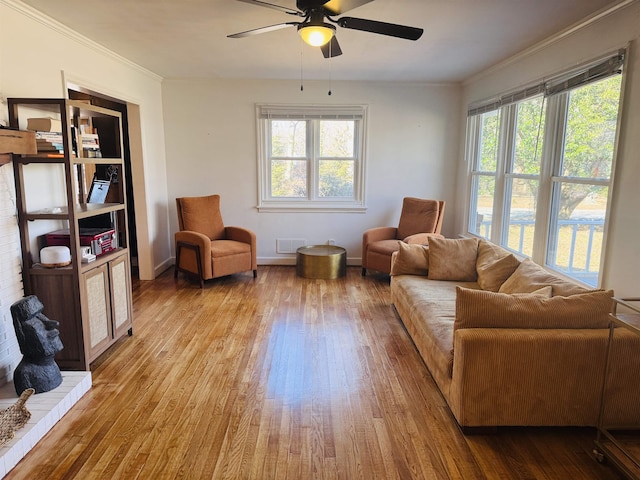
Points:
(311, 208)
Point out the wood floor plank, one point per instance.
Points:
(281, 377)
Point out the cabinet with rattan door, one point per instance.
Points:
(106, 303)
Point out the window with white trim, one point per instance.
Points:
(311, 158)
(541, 167)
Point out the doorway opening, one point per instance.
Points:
(95, 98)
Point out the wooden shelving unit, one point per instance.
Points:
(92, 301)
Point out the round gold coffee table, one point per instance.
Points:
(321, 261)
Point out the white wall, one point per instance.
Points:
(412, 150)
(622, 256)
(37, 57)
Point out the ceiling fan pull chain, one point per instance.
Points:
(301, 79)
(330, 69)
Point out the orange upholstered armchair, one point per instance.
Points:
(205, 247)
(419, 220)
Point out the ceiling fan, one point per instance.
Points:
(316, 32)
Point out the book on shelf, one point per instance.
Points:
(50, 148)
(44, 124)
(50, 136)
(49, 142)
(91, 145)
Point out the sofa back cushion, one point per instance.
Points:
(482, 309)
(494, 265)
(410, 259)
(530, 276)
(453, 259)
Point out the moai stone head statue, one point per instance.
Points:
(39, 341)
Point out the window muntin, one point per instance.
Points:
(569, 179)
(311, 157)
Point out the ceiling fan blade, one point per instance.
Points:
(257, 31)
(331, 49)
(338, 7)
(290, 11)
(383, 28)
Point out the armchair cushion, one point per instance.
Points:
(202, 214)
(418, 216)
(421, 238)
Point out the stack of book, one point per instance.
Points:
(91, 145)
(49, 142)
(48, 135)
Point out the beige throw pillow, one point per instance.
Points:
(410, 260)
(481, 309)
(494, 265)
(453, 259)
(530, 276)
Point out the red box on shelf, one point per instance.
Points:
(100, 240)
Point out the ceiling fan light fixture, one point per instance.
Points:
(316, 35)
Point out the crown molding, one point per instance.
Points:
(582, 24)
(49, 22)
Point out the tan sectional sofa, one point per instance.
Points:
(509, 343)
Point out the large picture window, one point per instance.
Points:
(541, 165)
(311, 157)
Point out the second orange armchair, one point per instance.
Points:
(420, 219)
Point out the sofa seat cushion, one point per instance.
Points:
(481, 309)
(428, 313)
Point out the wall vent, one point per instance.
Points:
(289, 245)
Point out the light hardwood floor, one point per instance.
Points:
(281, 378)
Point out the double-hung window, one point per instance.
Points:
(311, 158)
(541, 166)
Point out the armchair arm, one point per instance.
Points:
(188, 262)
(244, 235)
(379, 233)
(421, 238)
(240, 234)
(375, 235)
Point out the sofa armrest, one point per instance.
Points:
(527, 376)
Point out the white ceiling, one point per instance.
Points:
(188, 38)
